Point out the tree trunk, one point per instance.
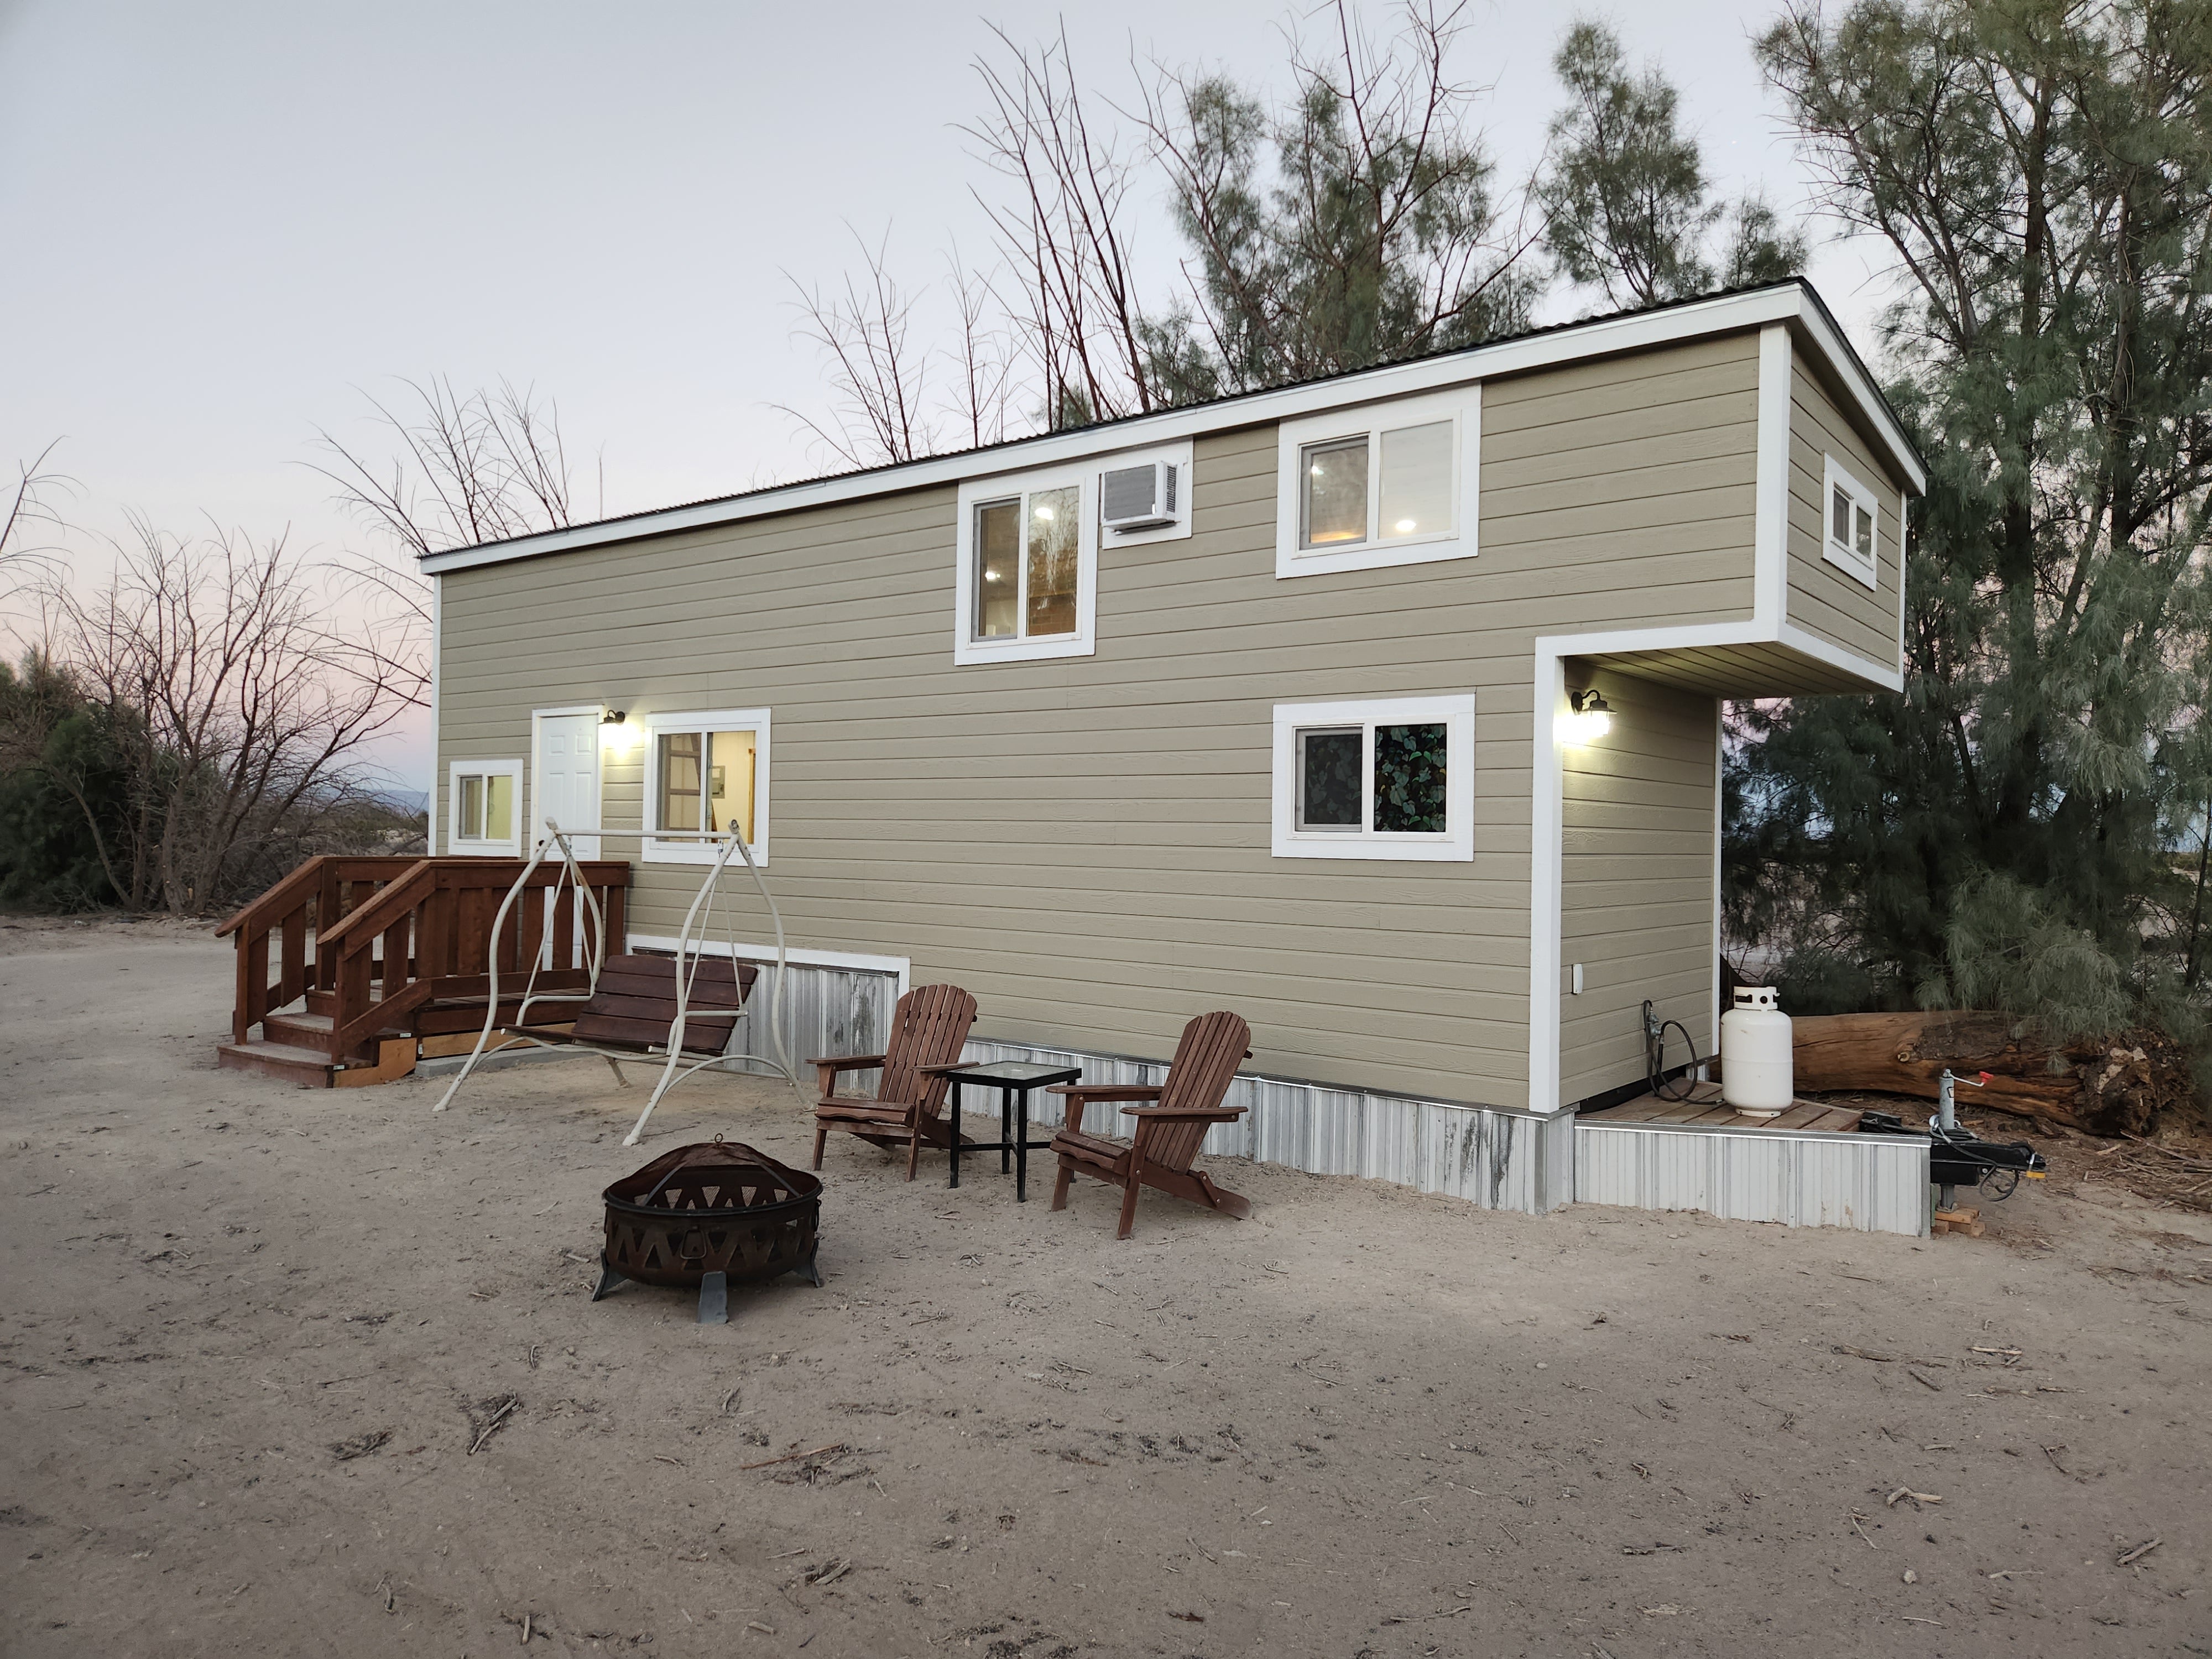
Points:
(2100, 1090)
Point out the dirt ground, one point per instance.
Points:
(249, 1335)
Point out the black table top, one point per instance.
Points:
(1022, 1071)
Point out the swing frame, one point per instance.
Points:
(690, 953)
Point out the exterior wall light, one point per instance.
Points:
(1591, 719)
(617, 735)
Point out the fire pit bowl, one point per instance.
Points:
(707, 1215)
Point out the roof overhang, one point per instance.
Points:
(1793, 302)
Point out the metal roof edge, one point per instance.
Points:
(1793, 300)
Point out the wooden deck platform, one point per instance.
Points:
(1703, 1110)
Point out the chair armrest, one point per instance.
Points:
(1210, 1113)
(1091, 1091)
(836, 1064)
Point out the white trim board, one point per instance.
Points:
(435, 808)
(856, 961)
(1790, 302)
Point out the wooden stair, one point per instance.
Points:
(313, 1067)
(350, 969)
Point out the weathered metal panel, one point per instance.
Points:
(1870, 1184)
(820, 1011)
(1498, 1160)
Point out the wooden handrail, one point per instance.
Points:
(433, 925)
(430, 917)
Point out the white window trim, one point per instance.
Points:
(1461, 406)
(512, 846)
(967, 649)
(1847, 559)
(755, 720)
(1456, 712)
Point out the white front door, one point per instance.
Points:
(566, 789)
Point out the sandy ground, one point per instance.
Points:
(1364, 1422)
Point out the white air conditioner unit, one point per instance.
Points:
(1138, 497)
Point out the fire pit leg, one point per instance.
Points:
(715, 1299)
(608, 1279)
(811, 1269)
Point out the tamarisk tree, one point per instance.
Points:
(2013, 828)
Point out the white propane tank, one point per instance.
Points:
(1756, 1075)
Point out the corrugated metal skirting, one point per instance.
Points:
(825, 1010)
(1496, 1159)
(1871, 1183)
(1499, 1160)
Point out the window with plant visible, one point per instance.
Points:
(1389, 778)
(1853, 522)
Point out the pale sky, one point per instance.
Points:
(222, 220)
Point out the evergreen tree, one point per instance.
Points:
(1628, 206)
(2008, 829)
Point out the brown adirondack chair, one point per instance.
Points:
(928, 1029)
(1169, 1129)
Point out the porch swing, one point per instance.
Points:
(643, 1009)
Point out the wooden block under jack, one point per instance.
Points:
(395, 1059)
(1965, 1219)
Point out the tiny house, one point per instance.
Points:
(1383, 710)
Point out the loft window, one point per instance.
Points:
(1853, 524)
(482, 798)
(1389, 484)
(706, 773)
(1028, 575)
(1028, 565)
(1392, 484)
(1386, 778)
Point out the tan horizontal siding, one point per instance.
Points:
(1084, 842)
(1637, 879)
(1824, 600)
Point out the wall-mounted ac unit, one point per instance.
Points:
(1138, 497)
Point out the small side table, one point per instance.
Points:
(1013, 1079)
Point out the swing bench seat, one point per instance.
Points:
(634, 1008)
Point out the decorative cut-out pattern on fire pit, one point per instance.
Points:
(707, 1215)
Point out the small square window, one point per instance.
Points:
(484, 798)
(1853, 525)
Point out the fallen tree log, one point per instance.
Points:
(2104, 1090)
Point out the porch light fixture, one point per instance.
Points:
(1591, 719)
(614, 717)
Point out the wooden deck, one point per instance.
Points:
(1704, 1111)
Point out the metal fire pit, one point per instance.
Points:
(709, 1215)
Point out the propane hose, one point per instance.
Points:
(1655, 1054)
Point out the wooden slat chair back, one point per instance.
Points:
(634, 1005)
(928, 1029)
(1172, 1119)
